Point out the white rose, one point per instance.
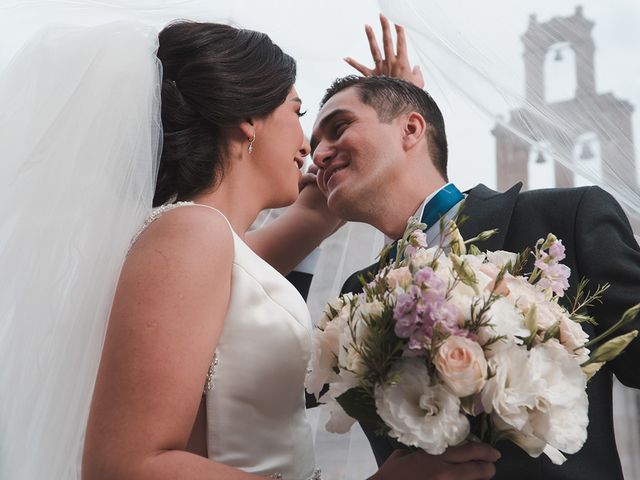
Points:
(461, 365)
(500, 258)
(419, 413)
(399, 277)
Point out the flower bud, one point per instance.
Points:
(614, 347)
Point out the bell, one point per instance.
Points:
(558, 57)
(587, 152)
(540, 158)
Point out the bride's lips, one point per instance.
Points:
(299, 162)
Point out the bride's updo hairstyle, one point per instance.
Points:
(214, 77)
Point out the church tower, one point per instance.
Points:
(601, 123)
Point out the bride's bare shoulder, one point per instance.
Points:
(188, 235)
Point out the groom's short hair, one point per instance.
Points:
(392, 97)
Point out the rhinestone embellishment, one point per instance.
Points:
(154, 215)
(208, 385)
(316, 475)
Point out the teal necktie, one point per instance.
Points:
(443, 201)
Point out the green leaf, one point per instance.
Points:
(359, 404)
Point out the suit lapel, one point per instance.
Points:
(486, 209)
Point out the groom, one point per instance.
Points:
(381, 149)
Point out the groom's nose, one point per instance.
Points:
(322, 155)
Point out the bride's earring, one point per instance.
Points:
(251, 140)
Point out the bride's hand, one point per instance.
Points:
(313, 198)
(472, 461)
(393, 64)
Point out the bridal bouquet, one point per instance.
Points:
(452, 344)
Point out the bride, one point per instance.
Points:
(201, 369)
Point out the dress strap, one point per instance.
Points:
(161, 210)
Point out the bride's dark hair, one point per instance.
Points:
(214, 77)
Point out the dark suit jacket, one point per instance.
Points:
(600, 246)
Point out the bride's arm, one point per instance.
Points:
(288, 239)
(166, 319)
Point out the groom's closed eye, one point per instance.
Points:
(326, 125)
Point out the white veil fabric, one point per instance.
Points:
(525, 98)
(80, 137)
(501, 129)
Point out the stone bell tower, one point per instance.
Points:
(600, 123)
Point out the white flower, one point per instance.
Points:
(561, 416)
(539, 393)
(423, 257)
(419, 413)
(339, 421)
(572, 336)
(462, 366)
(511, 392)
(399, 278)
(523, 294)
(333, 309)
(321, 364)
(348, 356)
(500, 258)
(367, 310)
(505, 320)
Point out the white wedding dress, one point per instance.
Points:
(255, 402)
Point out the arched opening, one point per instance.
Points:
(540, 167)
(587, 160)
(560, 73)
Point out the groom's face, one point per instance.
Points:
(357, 155)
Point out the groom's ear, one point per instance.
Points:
(414, 128)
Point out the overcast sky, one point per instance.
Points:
(320, 33)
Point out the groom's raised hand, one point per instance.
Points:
(472, 461)
(394, 63)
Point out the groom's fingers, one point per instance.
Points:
(473, 471)
(472, 451)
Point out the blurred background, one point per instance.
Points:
(540, 92)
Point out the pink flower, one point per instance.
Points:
(418, 239)
(556, 251)
(421, 307)
(555, 276)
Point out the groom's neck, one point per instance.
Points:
(393, 214)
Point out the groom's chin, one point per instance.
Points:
(341, 205)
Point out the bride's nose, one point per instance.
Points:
(305, 149)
